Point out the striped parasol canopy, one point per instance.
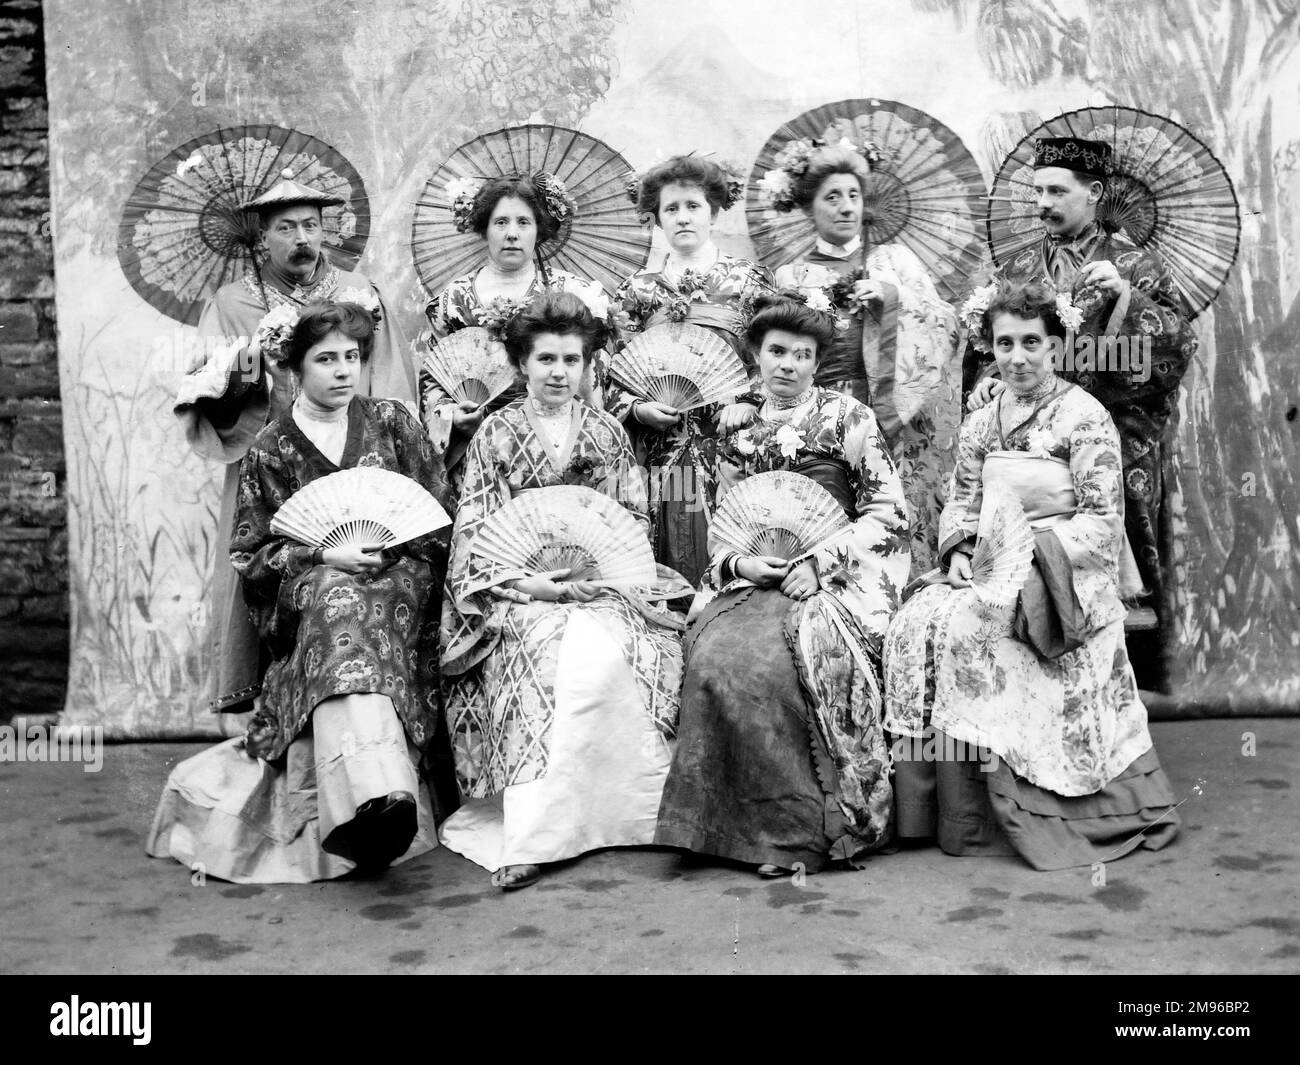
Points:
(1166, 191)
(185, 231)
(603, 241)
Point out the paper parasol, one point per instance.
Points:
(927, 195)
(604, 241)
(184, 233)
(1167, 192)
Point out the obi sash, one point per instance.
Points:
(835, 475)
(1045, 488)
(712, 315)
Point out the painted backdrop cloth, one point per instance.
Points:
(1144, 411)
(221, 426)
(459, 306)
(681, 460)
(781, 756)
(904, 364)
(1069, 725)
(329, 632)
(527, 724)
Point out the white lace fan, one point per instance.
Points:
(1004, 552)
(568, 527)
(681, 365)
(359, 506)
(782, 514)
(470, 366)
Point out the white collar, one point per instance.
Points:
(839, 251)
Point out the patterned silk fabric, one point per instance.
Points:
(500, 657)
(1069, 724)
(681, 460)
(840, 629)
(330, 632)
(916, 396)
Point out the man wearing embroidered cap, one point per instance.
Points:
(223, 405)
(1130, 307)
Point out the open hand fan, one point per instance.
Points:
(360, 506)
(470, 366)
(568, 527)
(680, 365)
(782, 514)
(1004, 553)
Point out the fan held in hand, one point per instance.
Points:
(680, 365)
(781, 514)
(1004, 553)
(470, 366)
(360, 507)
(567, 527)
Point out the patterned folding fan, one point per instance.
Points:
(568, 527)
(470, 366)
(360, 506)
(782, 514)
(680, 365)
(1004, 553)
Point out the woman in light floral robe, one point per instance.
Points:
(1022, 724)
(781, 759)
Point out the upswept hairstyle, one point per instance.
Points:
(562, 313)
(682, 170)
(822, 164)
(791, 316)
(319, 320)
(1025, 300)
(497, 189)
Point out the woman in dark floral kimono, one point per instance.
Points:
(325, 780)
(781, 759)
(700, 285)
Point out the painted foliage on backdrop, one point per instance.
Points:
(396, 85)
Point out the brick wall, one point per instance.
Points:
(33, 513)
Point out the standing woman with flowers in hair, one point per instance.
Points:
(781, 757)
(896, 347)
(325, 780)
(697, 283)
(514, 216)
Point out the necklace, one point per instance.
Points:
(1040, 391)
(787, 402)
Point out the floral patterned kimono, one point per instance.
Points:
(682, 459)
(1075, 777)
(459, 306)
(327, 633)
(900, 357)
(781, 757)
(561, 714)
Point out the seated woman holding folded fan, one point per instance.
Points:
(699, 285)
(562, 685)
(515, 216)
(781, 758)
(896, 348)
(325, 781)
(1019, 725)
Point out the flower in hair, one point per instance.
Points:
(461, 192)
(366, 299)
(275, 330)
(777, 186)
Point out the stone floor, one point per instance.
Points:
(81, 896)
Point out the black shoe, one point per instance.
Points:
(382, 831)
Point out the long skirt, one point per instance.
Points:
(563, 735)
(249, 821)
(754, 778)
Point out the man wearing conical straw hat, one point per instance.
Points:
(1130, 351)
(239, 389)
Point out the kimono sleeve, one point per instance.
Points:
(418, 461)
(959, 521)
